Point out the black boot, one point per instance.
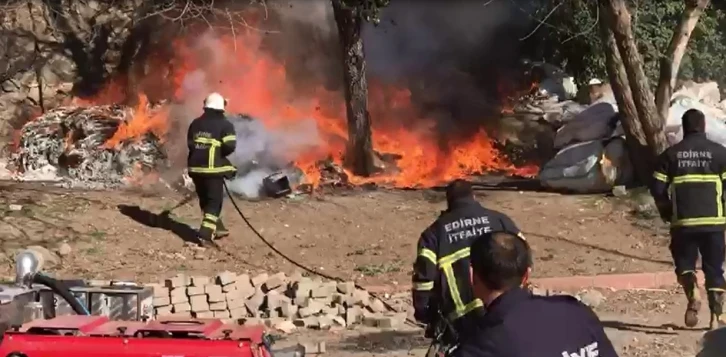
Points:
(690, 287)
(715, 304)
(205, 233)
(221, 231)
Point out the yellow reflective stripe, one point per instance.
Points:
(723, 176)
(696, 178)
(688, 272)
(229, 138)
(716, 289)
(208, 141)
(212, 170)
(701, 221)
(467, 309)
(209, 225)
(453, 257)
(428, 254)
(660, 177)
(429, 285)
(719, 198)
(453, 287)
(210, 217)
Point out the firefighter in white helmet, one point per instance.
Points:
(211, 138)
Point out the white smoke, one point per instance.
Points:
(261, 151)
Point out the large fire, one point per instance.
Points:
(257, 84)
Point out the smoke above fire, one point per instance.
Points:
(433, 71)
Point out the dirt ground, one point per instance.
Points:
(367, 236)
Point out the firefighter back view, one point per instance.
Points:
(211, 138)
(688, 188)
(441, 278)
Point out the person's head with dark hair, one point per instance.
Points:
(693, 121)
(499, 263)
(458, 190)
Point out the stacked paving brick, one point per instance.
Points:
(272, 300)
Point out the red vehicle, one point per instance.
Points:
(76, 335)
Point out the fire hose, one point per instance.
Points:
(297, 264)
(59, 288)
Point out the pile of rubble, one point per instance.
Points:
(68, 143)
(277, 301)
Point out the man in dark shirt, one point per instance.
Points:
(519, 324)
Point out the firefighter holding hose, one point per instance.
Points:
(693, 171)
(441, 277)
(211, 138)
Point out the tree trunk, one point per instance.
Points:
(359, 156)
(617, 15)
(671, 61)
(634, 136)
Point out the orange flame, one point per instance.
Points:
(258, 85)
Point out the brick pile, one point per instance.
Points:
(277, 301)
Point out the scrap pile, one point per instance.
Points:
(71, 140)
(278, 301)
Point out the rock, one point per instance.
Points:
(620, 191)
(15, 208)
(64, 249)
(591, 298)
(285, 326)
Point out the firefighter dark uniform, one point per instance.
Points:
(442, 277)
(519, 324)
(211, 138)
(688, 191)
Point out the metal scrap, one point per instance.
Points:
(73, 139)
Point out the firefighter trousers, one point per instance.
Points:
(210, 191)
(685, 247)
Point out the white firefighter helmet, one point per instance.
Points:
(595, 81)
(215, 101)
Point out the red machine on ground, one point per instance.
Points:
(89, 336)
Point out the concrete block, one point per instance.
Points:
(288, 309)
(199, 303)
(353, 315)
(212, 288)
(255, 302)
(226, 278)
(160, 291)
(183, 307)
(258, 280)
(245, 289)
(285, 326)
(361, 297)
(253, 321)
(274, 300)
(325, 322)
(218, 306)
(235, 304)
(370, 321)
(243, 279)
(161, 301)
(316, 306)
(330, 310)
(275, 282)
(377, 306)
(313, 348)
(238, 313)
(178, 292)
(325, 290)
(223, 314)
(338, 321)
(341, 310)
(195, 290)
(216, 296)
(176, 281)
(200, 280)
(311, 322)
(164, 310)
(203, 315)
(229, 288)
(346, 288)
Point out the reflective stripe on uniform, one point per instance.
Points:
(210, 217)
(229, 138)
(476, 303)
(660, 176)
(428, 254)
(429, 285)
(446, 264)
(212, 170)
(209, 225)
(716, 179)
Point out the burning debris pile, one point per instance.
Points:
(71, 144)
